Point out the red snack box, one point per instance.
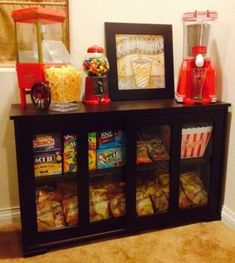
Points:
(194, 141)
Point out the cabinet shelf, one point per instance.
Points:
(94, 174)
(150, 166)
(194, 161)
(51, 179)
(107, 171)
(117, 171)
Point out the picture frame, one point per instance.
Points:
(141, 61)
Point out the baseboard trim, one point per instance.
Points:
(228, 217)
(9, 215)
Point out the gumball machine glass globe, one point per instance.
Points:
(96, 63)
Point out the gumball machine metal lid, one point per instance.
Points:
(96, 66)
(95, 49)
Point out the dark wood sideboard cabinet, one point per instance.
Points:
(117, 169)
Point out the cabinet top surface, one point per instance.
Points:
(166, 105)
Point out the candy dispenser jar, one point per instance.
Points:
(196, 83)
(96, 66)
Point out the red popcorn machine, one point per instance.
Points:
(96, 66)
(196, 83)
(39, 45)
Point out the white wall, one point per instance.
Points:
(8, 175)
(87, 28)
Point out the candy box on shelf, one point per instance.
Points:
(47, 163)
(70, 153)
(92, 159)
(47, 154)
(110, 157)
(110, 139)
(194, 141)
(46, 142)
(92, 140)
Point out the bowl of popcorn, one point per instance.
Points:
(64, 83)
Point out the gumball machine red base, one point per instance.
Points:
(96, 66)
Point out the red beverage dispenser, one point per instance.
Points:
(196, 83)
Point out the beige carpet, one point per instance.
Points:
(198, 243)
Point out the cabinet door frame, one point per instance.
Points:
(176, 122)
(98, 124)
(27, 182)
(152, 119)
(212, 208)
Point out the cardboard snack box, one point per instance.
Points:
(49, 163)
(194, 141)
(110, 157)
(47, 154)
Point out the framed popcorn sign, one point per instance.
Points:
(141, 61)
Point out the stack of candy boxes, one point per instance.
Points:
(47, 154)
(106, 149)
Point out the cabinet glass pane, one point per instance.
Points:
(152, 158)
(195, 164)
(55, 167)
(106, 157)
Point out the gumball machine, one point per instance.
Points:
(96, 66)
(196, 83)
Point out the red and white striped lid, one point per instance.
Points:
(200, 16)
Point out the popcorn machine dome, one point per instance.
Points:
(38, 49)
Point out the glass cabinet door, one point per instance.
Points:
(55, 171)
(152, 159)
(195, 166)
(107, 158)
